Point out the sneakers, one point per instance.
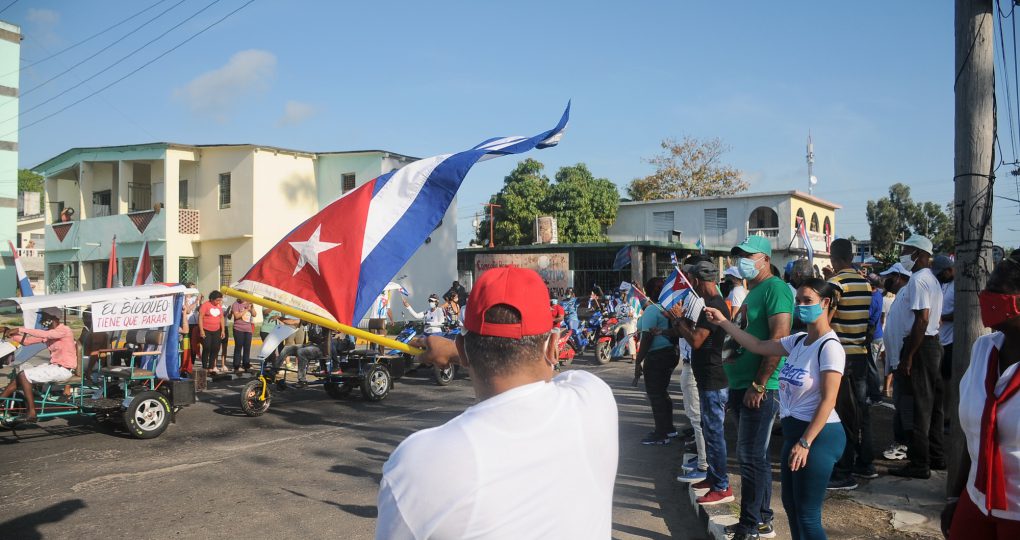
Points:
(718, 497)
(695, 475)
(865, 472)
(895, 452)
(704, 484)
(673, 434)
(766, 530)
(911, 471)
(846, 484)
(654, 438)
(938, 465)
(690, 464)
(734, 532)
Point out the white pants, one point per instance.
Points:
(692, 408)
(46, 373)
(629, 328)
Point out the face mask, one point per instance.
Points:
(808, 313)
(907, 261)
(553, 302)
(433, 303)
(748, 268)
(997, 308)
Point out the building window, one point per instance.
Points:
(101, 203)
(63, 278)
(827, 227)
(346, 182)
(814, 222)
(182, 194)
(663, 224)
(715, 219)
(187, 270)
(225, 190)
(226, 272)
(763, 221)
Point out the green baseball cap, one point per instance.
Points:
(754, 244)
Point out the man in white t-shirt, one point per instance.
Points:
(738, 292)
(920, 360)
(898, 320)
(489, 472)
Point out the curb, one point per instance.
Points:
(715, 517)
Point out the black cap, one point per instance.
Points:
(702, 270)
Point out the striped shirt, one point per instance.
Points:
(851, 318)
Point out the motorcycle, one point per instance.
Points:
(584, 337)
(564, 346)
(416, 329)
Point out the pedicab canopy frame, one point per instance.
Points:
(322, 321)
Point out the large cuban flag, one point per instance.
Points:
(337, 262)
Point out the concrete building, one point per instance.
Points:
(208, 212)
(10, 64)
(723, 222)
(31, 240)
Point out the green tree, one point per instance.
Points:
(688, 168)
(520, 201)
(897, 216)
(584, 206)
(29, 181)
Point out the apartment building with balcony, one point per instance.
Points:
(208, 212)
(10, 62)
(723, 222)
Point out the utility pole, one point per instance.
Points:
(973, 179)
(491, 238)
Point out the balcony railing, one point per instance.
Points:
(767, 232)
(188, 222)
(139, 197)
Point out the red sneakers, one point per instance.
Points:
(716, 497)
(704, 484)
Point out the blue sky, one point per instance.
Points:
(871, 80)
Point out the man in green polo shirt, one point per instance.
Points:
(765, 314)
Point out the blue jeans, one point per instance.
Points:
(713, 418)
(754, 428)
(804, 490)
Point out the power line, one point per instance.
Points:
(104, 49)
(82, 42)
(8, 6)
(136, 70)
(1009, 97)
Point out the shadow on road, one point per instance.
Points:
(27, 527)
(360, 510)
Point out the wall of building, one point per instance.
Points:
(285, 194)
(10, 51)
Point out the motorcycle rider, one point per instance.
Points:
(434, 316)
(625, 315)
(558, 313)
(569, 304)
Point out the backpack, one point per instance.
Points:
(846, 401)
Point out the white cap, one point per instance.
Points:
(896, 269)
(920, 242)
(732, 271)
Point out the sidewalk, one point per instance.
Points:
(886, 507)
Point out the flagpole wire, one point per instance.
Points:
(322, 321)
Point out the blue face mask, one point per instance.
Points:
(809, 313)
(748, 268)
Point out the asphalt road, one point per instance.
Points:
(309, 468)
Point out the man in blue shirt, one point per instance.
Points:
(875, 323)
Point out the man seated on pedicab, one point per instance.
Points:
(59, 339)
(317, 348)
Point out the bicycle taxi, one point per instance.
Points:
(128, 365)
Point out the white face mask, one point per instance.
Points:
(907, 261)
(433, 304)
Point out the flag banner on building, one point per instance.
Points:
(701, 246)
(337, 262)
(143, 271)
(113, 268)
(622, 259)
(24, 285)
(802, 233)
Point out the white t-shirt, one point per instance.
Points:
(898, 323)
(923, 291)
(800, 390)
(972, 407)
(736, 297)
(948, 305)
(537, 461)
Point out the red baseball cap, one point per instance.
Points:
(520, 288)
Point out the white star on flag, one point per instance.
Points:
(309, 251)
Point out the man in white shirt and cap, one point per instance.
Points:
(920, 360)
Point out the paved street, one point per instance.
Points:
(308, 468)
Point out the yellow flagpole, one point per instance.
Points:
(322, 321)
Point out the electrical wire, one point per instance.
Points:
(104, 49)
(132, 72)
(8, 6)
(82, 42)
(1009, 97)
